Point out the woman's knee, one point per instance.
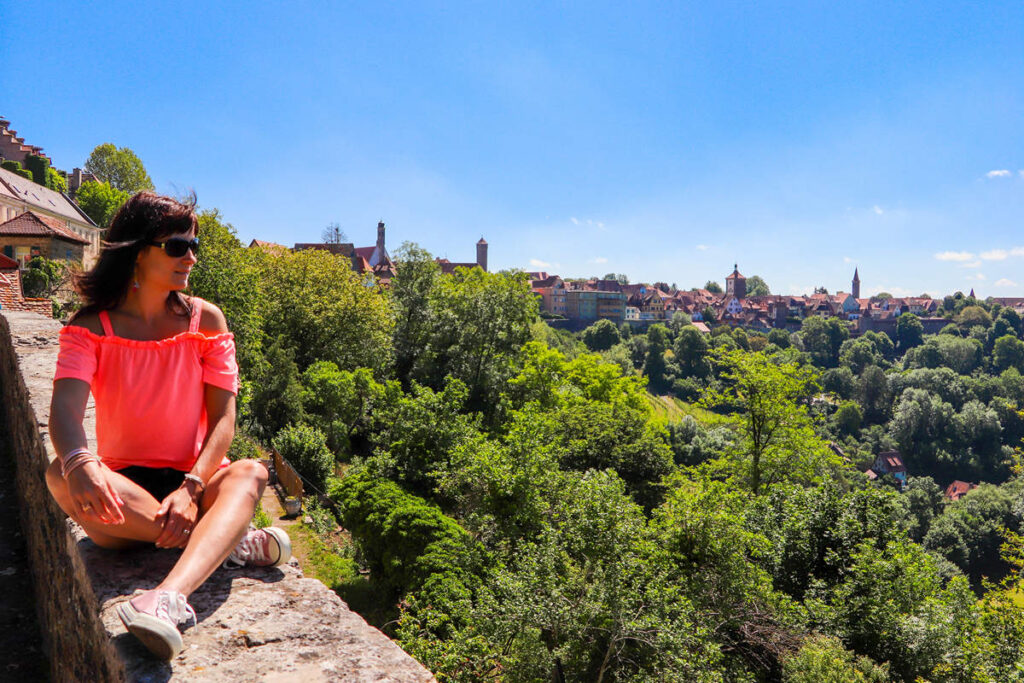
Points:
(251, 472)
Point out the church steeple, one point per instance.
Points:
(856, 285)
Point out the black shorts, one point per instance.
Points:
(159, 481)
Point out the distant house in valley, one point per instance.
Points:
(959, 489)
(889, 462)
(61, 226)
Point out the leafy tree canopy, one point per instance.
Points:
(119, 167)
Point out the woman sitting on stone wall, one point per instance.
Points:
(161, 367)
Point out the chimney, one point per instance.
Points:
(380, 238)
(481, 254)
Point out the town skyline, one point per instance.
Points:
(657, 141)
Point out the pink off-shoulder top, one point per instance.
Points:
(150, 407)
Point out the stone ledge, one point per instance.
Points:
(254, 624)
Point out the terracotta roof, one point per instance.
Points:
(365, 252)
(7, 263)
(269, 247)
(959, 488)
(30, 224)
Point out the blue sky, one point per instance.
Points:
(662, 140)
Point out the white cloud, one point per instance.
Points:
(976, 276)
(998, 173)
(537, 263)
(1003, 282)
(702, 247)
(600, 259)
(588, 223)
(972, 264)
(877, 209)
(994, 255)
(847, 259)
(955, 256)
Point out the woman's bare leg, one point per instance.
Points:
(225, 512)
(139, 510)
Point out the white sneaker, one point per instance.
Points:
(159, 631)
(269, 547)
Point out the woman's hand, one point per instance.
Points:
(178, 513)
(93, 496)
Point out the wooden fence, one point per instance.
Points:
(287, 475)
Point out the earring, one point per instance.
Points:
(135, 284)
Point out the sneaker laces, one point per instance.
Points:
(173, 607)
(251, 547)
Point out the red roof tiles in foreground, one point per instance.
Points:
(7, 263)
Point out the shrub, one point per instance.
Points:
(244, 447)
(306, 449)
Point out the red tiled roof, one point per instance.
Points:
(31, 224)
(7, 263)
(958, 488)
(365, 252)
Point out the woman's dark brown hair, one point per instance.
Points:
(146, 217)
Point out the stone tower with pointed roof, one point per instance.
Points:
(736, 284)
(855, 290)
(481, 254)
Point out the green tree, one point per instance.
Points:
(601, 336)
(43, 277)
(756, 286)
(411, 290)
(909, 331)
(324, 311)
(823, 658)
(478, 323)
(848, 419)
(341, 401)
(55, 181)
(276, 399)
(691, 352)
(970, 316)
(118, 167)
(1008, 352)
(305, 448)
(779, 442)
(822, 338)
(39, 166)
(654, 365)
(100, 201)
(713, 287)
(234, 278)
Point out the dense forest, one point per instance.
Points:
(526, 504)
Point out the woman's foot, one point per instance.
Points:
(153, 617)
(269, 547)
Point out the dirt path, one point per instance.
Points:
(271, 502)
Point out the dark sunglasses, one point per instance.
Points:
(176, 247)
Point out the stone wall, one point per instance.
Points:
(254, 624)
